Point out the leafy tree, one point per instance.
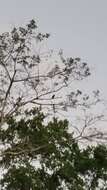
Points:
(40, 155)
(34, 153)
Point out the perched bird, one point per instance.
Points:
(53, 96)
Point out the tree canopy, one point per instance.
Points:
(35, 152)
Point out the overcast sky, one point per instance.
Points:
(79, 27)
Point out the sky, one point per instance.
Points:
(79, 27)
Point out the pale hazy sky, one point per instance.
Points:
(79, 27)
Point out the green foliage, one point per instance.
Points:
(40, 155)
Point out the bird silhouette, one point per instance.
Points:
(53, 96)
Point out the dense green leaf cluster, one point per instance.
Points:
(39, 155)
